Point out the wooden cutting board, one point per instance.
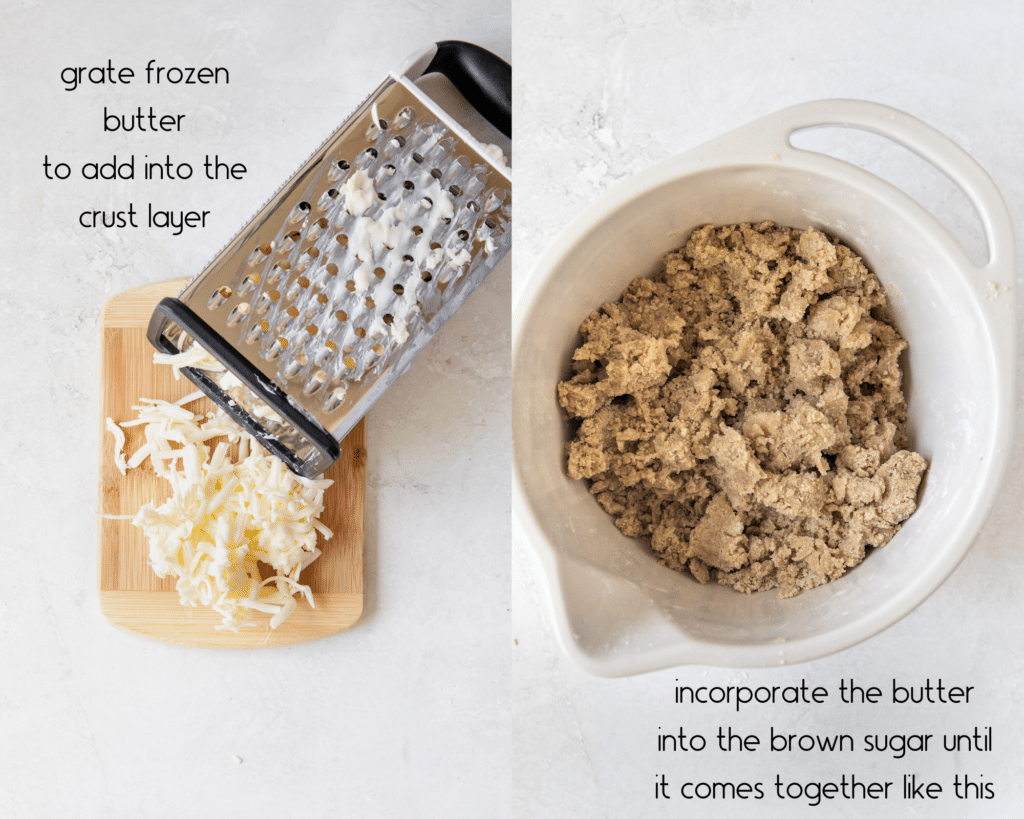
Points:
(131, 596)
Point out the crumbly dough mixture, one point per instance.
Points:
(743, 410)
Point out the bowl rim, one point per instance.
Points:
(746, 148)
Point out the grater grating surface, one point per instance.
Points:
(332, 289)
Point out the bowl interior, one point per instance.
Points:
(625, 612)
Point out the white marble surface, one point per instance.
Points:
(606, 89)
(408, 710)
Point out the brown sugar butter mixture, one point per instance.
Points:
(743, 410)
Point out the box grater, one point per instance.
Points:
(327, 295)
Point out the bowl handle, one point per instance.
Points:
(916, 136)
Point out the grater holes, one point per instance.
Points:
(321, 300)
(249, 284)
(312, 329)
(389, 170)
(280, 344)
(238, 312)
(219, 296)
(383, 197)
(417, 157)
(473, 188)
(335, 400)
(494, 201)
(437, 154)
(263, 304)
(293, 311)
(316, 381)
(404, 117)
(290, 240)
(277, 272)
(326, 198)
(299, 213)
(260, 253)
(274, 295)
(491, 222)
(294, 367)
(315, 229)
(255, 333)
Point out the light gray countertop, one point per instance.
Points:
(408, 713)
(605, 90)
(409, 708)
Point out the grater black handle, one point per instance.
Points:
(483, 78)
(320, 446)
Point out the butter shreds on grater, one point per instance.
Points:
(326, 296)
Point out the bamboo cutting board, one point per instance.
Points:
(132, 597)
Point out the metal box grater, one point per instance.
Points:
(327, 295)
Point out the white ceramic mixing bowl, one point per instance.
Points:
(616, 610)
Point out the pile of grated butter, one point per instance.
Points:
(225, 515)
